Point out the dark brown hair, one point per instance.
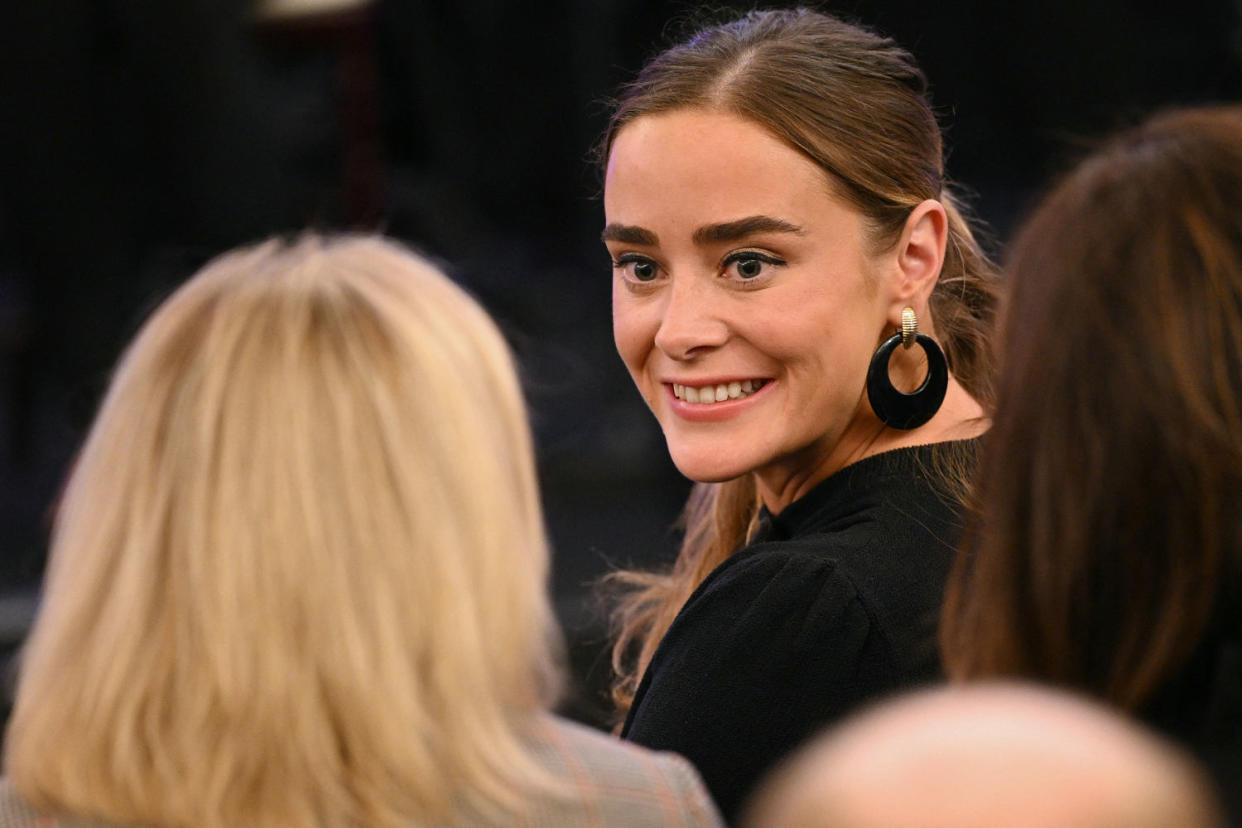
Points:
(1110, 490)
(856, 104)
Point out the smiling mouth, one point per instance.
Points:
(717, 393)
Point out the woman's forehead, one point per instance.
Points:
(716, 165)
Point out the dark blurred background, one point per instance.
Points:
(138, 138)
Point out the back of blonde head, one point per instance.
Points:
(298, 573)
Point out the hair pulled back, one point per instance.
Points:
(856, 104)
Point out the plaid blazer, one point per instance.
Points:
(612, 784)
(618, 783)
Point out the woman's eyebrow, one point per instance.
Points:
(734, 230)
(628, 234)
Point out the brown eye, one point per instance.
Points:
(748, 266)
(637, 268)
(644, 271)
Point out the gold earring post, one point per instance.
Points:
(909, 327)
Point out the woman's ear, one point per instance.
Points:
(920, 254)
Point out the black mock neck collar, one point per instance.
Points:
(842, 489)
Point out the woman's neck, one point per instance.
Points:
(960, 417)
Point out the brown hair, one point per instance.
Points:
(1109, 516)
(856, 104)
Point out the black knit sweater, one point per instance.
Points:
(833, 605)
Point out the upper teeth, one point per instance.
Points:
(717, 393)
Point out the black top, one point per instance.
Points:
(833, 604)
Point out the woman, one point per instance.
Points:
(297, 576)
(779, 223)
(1106, 551)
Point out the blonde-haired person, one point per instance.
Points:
(298, 575)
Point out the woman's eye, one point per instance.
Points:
(750, 265)
(637, 268)
(749, 268)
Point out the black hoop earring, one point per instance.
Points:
(898, 409)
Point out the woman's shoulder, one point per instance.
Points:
(873, 584)
(883, 533)
(772, 575)
(767, 611)
(617, 783)
(865, 560)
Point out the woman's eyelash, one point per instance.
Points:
(645, 269)
(743, 255)
(750, 256)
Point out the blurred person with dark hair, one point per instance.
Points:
(1105, 551)
(298, 575)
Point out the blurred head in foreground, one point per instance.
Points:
(982, 755)
(298, 572)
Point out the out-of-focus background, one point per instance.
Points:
(138, 138)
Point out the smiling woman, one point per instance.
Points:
(788, 296)
(768, 234)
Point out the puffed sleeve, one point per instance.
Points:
(772, 646)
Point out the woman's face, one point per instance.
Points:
(745, 303)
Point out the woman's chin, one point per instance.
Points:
(708, 467)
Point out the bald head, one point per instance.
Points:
(986, 754)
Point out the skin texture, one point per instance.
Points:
(735, 260)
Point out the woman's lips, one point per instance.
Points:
(687, 400)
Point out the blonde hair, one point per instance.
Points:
(298, 573)
(855, 104)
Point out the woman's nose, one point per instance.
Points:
(691, 323)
